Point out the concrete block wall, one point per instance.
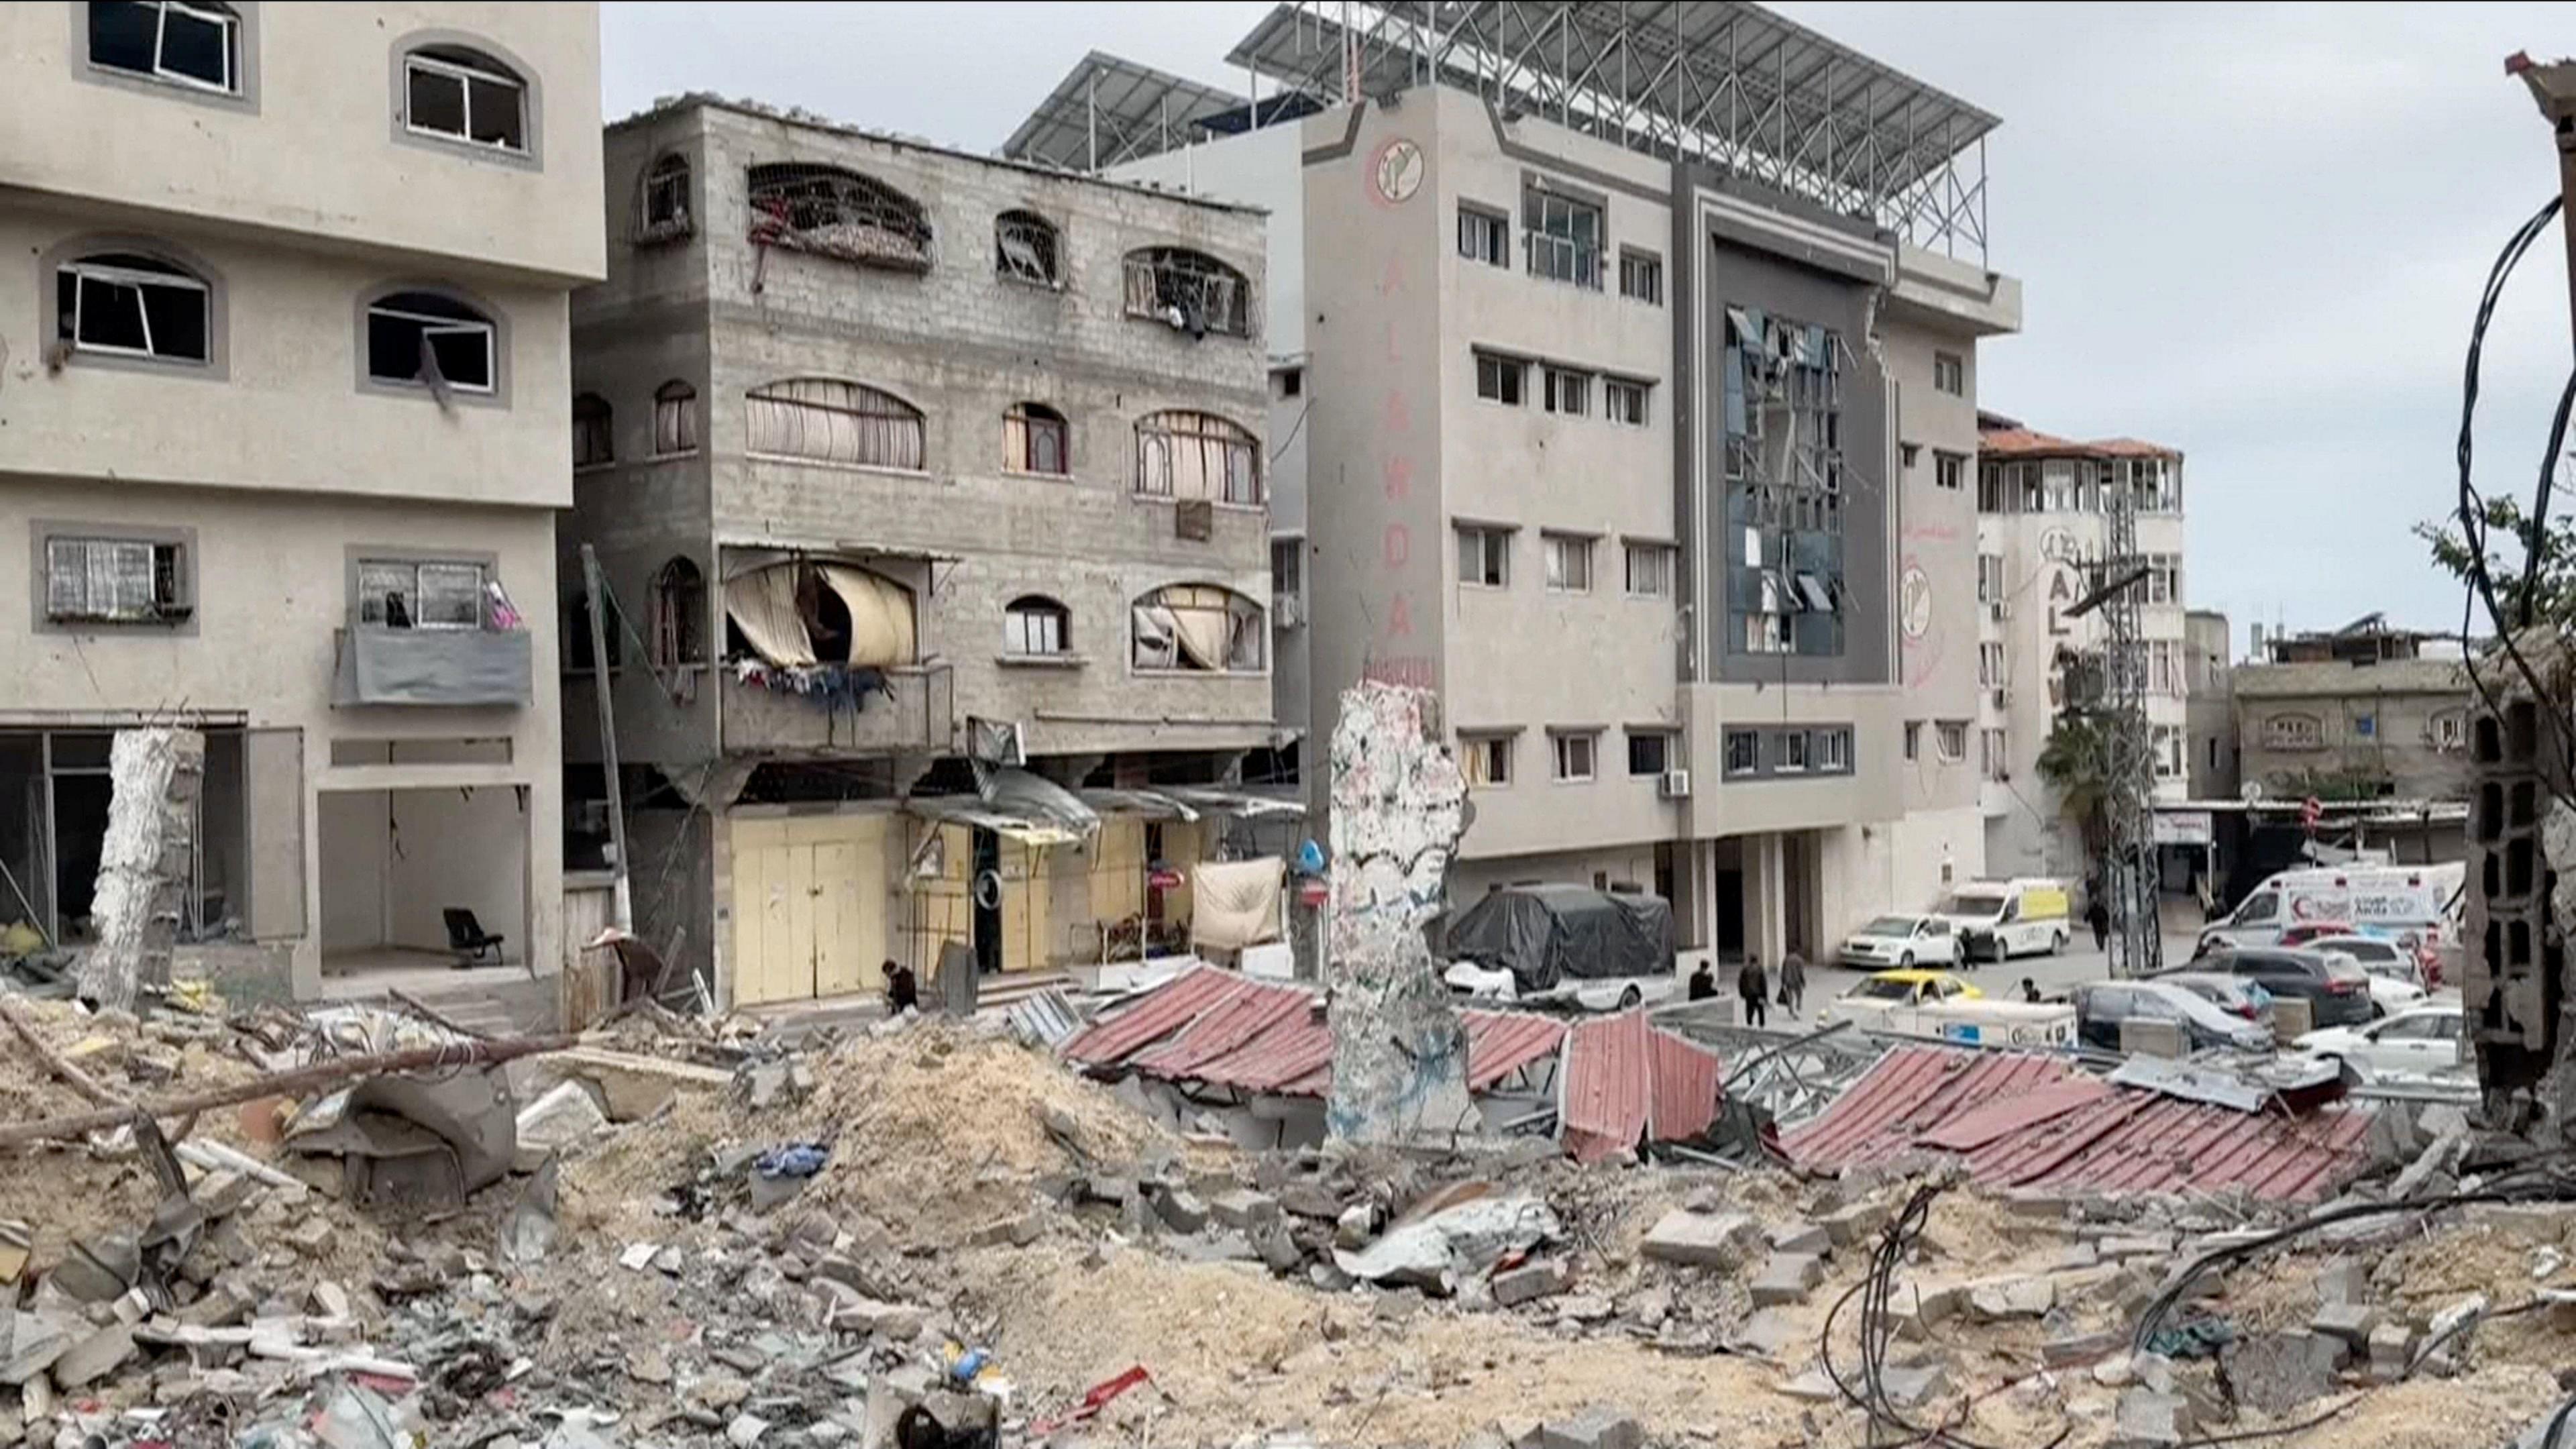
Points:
(2515, 958)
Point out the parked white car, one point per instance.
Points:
(2422, 1042)
(1902, 941)
(1497, 986)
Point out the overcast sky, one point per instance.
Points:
(2254, 233)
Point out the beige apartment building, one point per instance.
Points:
(283, 384)
(1643, 445)
(2041, 534)
(931, 501)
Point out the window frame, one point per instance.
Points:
(657, 179)
(1288, 583)
(1259, 637)
(1914, 739)
(1497, 227)
(1665, 558)
(1640, 393)
(83, 273)
(1050, 259)
(1020, 611)
(604, 437)
(491, 323)
(1205, 431)
(1950, 373)
(1211, 275)
(236, 22)
(497, 68)
(1506, 369)
(676, 628)
(1031, 419)
(1949, 470)
(1793, 753)
(1830, 751)
(1740, 753)
(1663, 740)
(1573, 260)
(1570, 546)
(1950, 740)
(361, 558)
(1648, 268)
(887, 423)
(684, 405)
(175, 617)
(1565, 392)
(1561, 766)
(1485, 536)
(1489, 748)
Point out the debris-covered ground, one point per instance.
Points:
(796, 1250)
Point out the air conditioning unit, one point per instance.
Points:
(1673, 785)
(1287, 611)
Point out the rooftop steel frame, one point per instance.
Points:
(1721, 82)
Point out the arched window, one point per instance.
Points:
(837, 213)
(194, 43)
(1196, 455)
(1191, 291)
(675, 419)
(1037, 625)
(1033, 440)
(664, 213)
(679, 615)
(122, 304)
(802, 613)
(431, 339)
(1197, 627)
(1024, 248)
(594, 431)
(458, 94)
(829, 421)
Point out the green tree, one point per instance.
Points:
(2076, 763)
(2507, 526)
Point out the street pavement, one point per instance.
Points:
(2052, 974)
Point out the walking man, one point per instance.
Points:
(2098, 916)
(1754, 987)
(1793, 984)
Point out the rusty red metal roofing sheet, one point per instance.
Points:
(1685, 1087)
(1605, 1090)
(1160, 1012)
(1276, 1060)
(1500, 1043)
(1253, 1009)
(2029, 1121)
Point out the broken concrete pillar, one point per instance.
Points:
(1399, 1051)
(143, 861)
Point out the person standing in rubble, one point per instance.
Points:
(1752, 985)
(1793, 984)
(903, 993)
(1703, 983)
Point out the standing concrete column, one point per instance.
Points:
(1399, 1052)
(143, 862)
(1767, 868)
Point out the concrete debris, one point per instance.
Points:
(2275, 1373)
(1701, 1240)
(1245, 1210)
(1528, 1282)
(1455, 1243)
(1855, 1224)
(1787, 1278)
(2349, 1322)
(1801, 1237)
(560, 1120)
(1998, 1299)
(2146, 1419)
(1594, 1428)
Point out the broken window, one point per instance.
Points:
(1563, 236)
(420, 594)
(1036, 624)
(1034, 440)
(422, 337)
(1192, 291)
(1641, 275)
(675, 418)
(465, 95)
(679, 615)
(798, 614)
(1485, 760)
(113, 580)
(824, 420)
(1196, 455)
(1198, 627)
(125, 305)
(1787, 478)
(835, 213)
(665, 212)
(1650, 752)
(593, 431)
(195, 45)
(1024, 248)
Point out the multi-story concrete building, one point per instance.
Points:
(2041, 534)
(902, 466)
(1641, 443)
(283, 384)
(2209, 705)
(2357, 713)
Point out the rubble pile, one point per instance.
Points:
(717, 1237)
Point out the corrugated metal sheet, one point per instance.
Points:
(1605, 1091)
(2029, 1121)
(1254, 1008)
(1500, 1043)
(1156, 1015)
(1686, 1076)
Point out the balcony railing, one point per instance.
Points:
(376, 665)
(906, 707)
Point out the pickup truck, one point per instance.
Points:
(1938, 1005)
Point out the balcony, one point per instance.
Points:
(914, 708)
(455, 667)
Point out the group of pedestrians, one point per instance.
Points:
(1754, 985)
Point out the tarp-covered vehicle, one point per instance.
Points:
(1567, 944)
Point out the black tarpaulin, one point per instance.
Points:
(1544, 934)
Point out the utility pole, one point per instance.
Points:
(599, 688)
(2130, 875)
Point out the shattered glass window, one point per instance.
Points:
(1786, 480)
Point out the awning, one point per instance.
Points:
(1017, 805)
(1189, 802)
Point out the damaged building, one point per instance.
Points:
(284, 385)
(931, 503)
(1640, 438)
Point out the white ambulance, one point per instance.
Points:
(2414, 905)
